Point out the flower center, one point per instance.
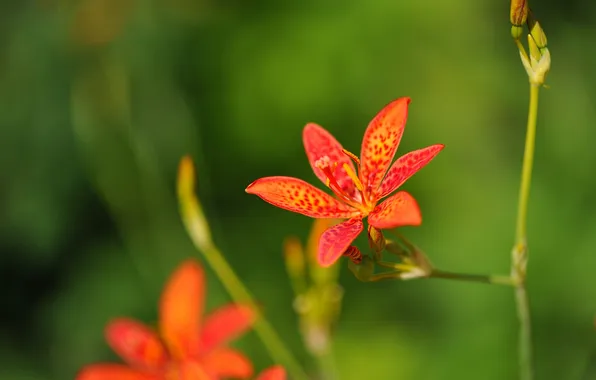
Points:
(356, 199)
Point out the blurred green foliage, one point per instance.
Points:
(100, 98)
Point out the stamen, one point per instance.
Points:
(354, 177)
(324, 164)
(352, 156)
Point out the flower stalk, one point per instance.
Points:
(537, 65)
(413, 263)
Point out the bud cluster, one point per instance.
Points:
(537, 62)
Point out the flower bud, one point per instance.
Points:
(537, 33)
(537, 62)
(518, 12)
(376, 240)
(295, 263)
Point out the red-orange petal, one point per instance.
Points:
(275, 372)
(398, 210)
(112, 372)
(225, 324)
(319, 143)
(380, 143)
(298, 196)
(227, 363)
(138, 345)
(406, 166)
(181, 307)
(336, 240)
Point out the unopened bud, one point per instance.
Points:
(537, 33)
(190, 207)
(363, 271)
(295, 262)
(518, 12)
(537, 65)
(376, 240)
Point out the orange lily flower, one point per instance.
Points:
(358, 191)
(188, 347)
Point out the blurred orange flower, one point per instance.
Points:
(187, 347)
(275, 372)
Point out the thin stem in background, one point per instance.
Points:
(198, 229)
(520, 250)
(486, 279)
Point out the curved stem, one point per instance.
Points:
(198, 229)
(520, 250)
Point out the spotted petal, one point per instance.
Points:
(112, 372)
(336, 240)
(181, 307)
(227, 363)
(224, 324)
(319, 143)
(398, 210)
(298, 196)
(276, 372)
(136, 344)
(406, 166)
(380, 143)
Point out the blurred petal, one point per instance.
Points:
(227, 363)
(319, 143)
(181, 307)
(398, 210)
(276, 372)
(136, 343)
(380, 143)
(112, 372)
(337, 239)
(225, 324)
(406, 166)
(295, 195)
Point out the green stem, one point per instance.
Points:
(526, 180)
(326, 364)
(263, 328)
(520, 250)
(198, 229)
(486, 279)
(525, 335)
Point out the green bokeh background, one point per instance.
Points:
(100, 99)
